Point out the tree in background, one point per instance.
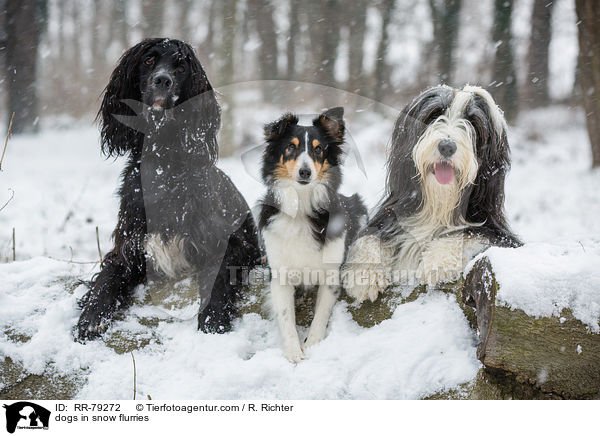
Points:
(25, 21)
(445, 15)
(504, 77)
(357, 28)
(262, 16)
(152, 18)
(292, 42)
(184, 29)
(324, 30)
(119, 29)
(588, 14)
(382, 76)
(226, 49)
(536, 86)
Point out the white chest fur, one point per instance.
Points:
(292, 248)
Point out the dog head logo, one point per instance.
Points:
(26, 415)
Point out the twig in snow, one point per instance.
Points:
(98, 243)
(6, 141)
(12, 195)
(134, 375)
(94, 262)
(14, 248)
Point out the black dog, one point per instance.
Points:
(180, 216)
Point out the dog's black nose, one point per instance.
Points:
(446, 147)
(304, 173)
(162, 80)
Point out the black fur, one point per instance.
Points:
(170, 185)
(328, 128)
(482, 203)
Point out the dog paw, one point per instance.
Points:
(293, 354)
(209, 323)
(441, 263)
(363, 283)
(215, 319)
(91, 325)
(313, 339)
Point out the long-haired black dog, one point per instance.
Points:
(445, 194)
(180, 216)
(305, 223)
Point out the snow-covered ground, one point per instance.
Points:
(63, 189)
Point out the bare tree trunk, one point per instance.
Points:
(97, 39)
(24, 27)
(208, 45)
(358, 24)
(227, 74)
(3, 41)
(588, 14)
(536, 87)
(324, 25)
(261, 13)
(152, 18)
(445, 15)
(183, 12)
(293, 39)
(381, 67)
(504, 75)
(118, 23)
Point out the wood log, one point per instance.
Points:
(558, 356)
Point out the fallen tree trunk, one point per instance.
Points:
(558, 356)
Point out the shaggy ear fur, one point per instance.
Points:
(332, 122)
(207, 112)
(117, 138)
(277, 129)
(486, 200)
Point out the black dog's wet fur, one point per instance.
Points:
(188, 196)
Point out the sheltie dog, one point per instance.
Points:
(306, 225)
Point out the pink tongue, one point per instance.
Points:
(444, 173)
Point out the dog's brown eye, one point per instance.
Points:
(318, 150)
(181, 69)
(290, 148)
(149, 60)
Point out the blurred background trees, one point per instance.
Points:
(588, 13)
(24, 24)
(57, 55)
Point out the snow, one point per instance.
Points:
(64, 188)
(426, 347)
(543, 279)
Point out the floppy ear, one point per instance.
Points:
(117, 138)
(332, 122)
(486, 200)
(277, 129)
(203, 97)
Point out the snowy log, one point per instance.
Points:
(557, 355)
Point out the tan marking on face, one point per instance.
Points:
(285, 170)
(315, 143)
(322, 169)
(295, 141)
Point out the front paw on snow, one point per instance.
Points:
(363, 283)
(312, 339)
(293, 354)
